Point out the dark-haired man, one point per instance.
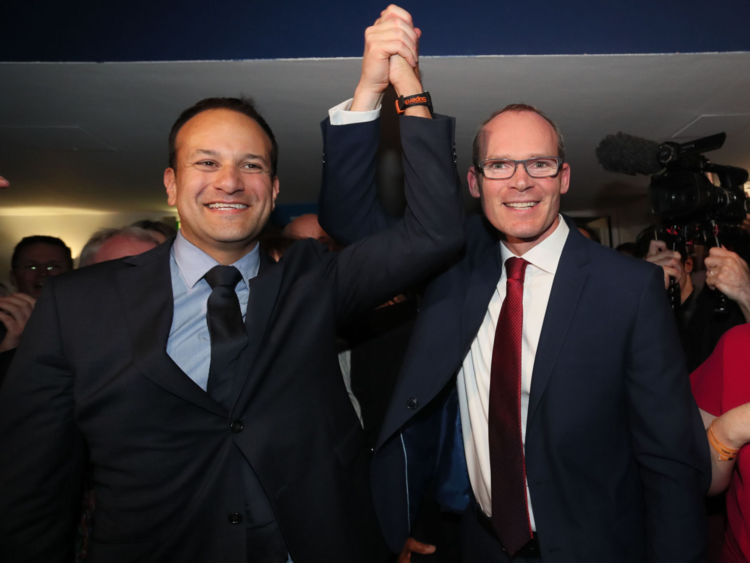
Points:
(35, 258)
(211, 439)
(581, 440)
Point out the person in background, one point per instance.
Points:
(307, 226)
(110, 244)
(35, 259)
(721, 387)
(158, 229)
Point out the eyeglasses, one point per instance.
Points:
(48, 267)
(502, 169)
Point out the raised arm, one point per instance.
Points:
(349, 209)
(430, 233)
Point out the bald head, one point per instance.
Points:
(307, 226)
(110, 244)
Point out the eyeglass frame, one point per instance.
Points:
(558, 159)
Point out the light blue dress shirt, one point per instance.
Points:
(189, 344)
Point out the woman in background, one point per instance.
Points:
(721, 386)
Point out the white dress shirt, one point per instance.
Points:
(473, 379)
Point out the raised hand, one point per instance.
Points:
(15, 311)
(392, 36)
(729, 273)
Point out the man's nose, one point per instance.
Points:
(42, 272)
(521, 179)
(229, 180)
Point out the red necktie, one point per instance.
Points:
(510, 512)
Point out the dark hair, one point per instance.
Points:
(241, 105)
(25, 242)
(476, 145)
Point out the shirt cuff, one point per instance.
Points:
(341, 115)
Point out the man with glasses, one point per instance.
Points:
(560, 358)
(35, 258)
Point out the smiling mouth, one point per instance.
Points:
(227, 206)
(521, 204)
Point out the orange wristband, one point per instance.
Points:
(725, 452)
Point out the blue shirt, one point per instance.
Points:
(189, 343)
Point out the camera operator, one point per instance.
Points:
(676, 265)
(699, 321)
(724, 301)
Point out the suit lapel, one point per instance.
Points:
(146, 290)
(485, 268)
(264, 289)
(567, 289)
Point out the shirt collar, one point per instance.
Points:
(546, 254)
(193, 263)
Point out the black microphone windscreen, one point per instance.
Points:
(629, 155)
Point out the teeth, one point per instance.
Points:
(227, 205)
(521, 205)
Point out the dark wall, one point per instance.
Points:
(247, 29)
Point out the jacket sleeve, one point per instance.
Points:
(669, 441)
(349, 208)
(429, 235)
(43, 452)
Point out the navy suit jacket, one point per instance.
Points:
(616, 456)
(92, 384)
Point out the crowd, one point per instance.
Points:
(356, 387)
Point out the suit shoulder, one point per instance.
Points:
(97, 277)
(625, 265)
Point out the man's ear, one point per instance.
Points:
(688, 265)
(565, 178)
(170, 185)
(275, 188)
(472, 178)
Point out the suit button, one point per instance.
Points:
(234, 518)
(412, 403)
(236, 426)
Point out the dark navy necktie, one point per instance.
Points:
(510, 513)
(227, 331)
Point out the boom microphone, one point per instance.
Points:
(629, 155)
(633, 155)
